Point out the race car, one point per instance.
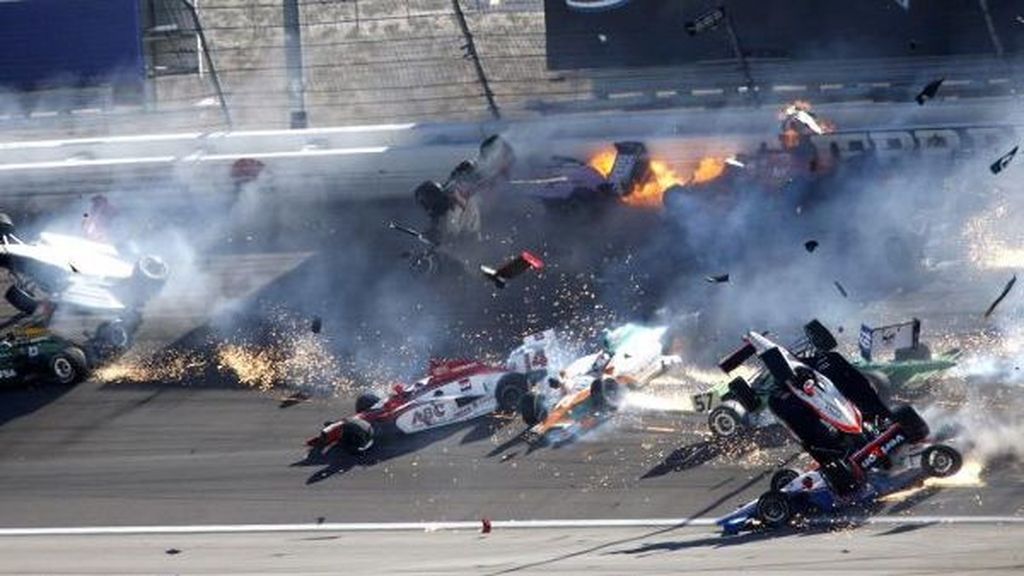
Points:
(68, 270)
(33, 353)
(589, 390)
(911, 368)
(453, 391)
(828, 406)
(797, 495)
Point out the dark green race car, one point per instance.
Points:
(35, 353)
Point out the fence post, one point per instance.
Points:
(470, 48)
(293, 62)
(213, 68)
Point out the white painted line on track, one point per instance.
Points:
(74, 163)
(297, 153)
(470, 525)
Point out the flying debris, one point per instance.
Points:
(317, 325)
(485, 526)
(929, 91)
(411, 232)
(1003, 161)
(811, 245)
(841, 289)
(1006, 290)
(720, 279)
(512, 268)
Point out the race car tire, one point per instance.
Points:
(533, 409)
(911, 422)
(113, 335)
(69, 366)
(433, 199)
(782, 477)
(840, 477)
(356, 436)
(740, 389)
(148, 276)
(941, 461)
(22, 300)
(855, 386)
(510, 391)
(774, 509)
(6, 224)
(727, 421)
(496, 150)
(605, 394)
(819, 336)
(365, 401)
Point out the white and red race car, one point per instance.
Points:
(453, 391)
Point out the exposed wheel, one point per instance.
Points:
(774, 509)
(819, 336)
(726, 421)
(365, 401)
(148, 277)
(510, 391)
(356, 435)
(69, 366)
(740, 389)
(605, 394)
(533, 409)
(782, 477)
(21, 299)
(433, 199)
(941, 461)
(6, 224)
(113, 335)
(911, 422)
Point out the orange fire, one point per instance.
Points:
(649, 193)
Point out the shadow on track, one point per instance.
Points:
(683, 524)
(703, 451)
(18, 402)
(335, 460)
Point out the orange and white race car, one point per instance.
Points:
(590, 389)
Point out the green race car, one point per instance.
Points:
(738, 406)
(35, 353)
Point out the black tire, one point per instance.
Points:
(533, 409)
(782, 477)
(433, 199)
(21, 299)
(774, 509)
(819, 336)
(510, 391)
(912, 424)
(69, 366)
(740, 390)
(365, 401)
(356, 436)
(941, 461)
(605, 394)
(726, 421)
(6, 224)
(113, 335)
(840, 477)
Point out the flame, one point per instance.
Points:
(649, 194)
(708, 169)
(603, 162)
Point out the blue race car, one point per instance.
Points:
(794, 495)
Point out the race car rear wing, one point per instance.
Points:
(894, 337)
